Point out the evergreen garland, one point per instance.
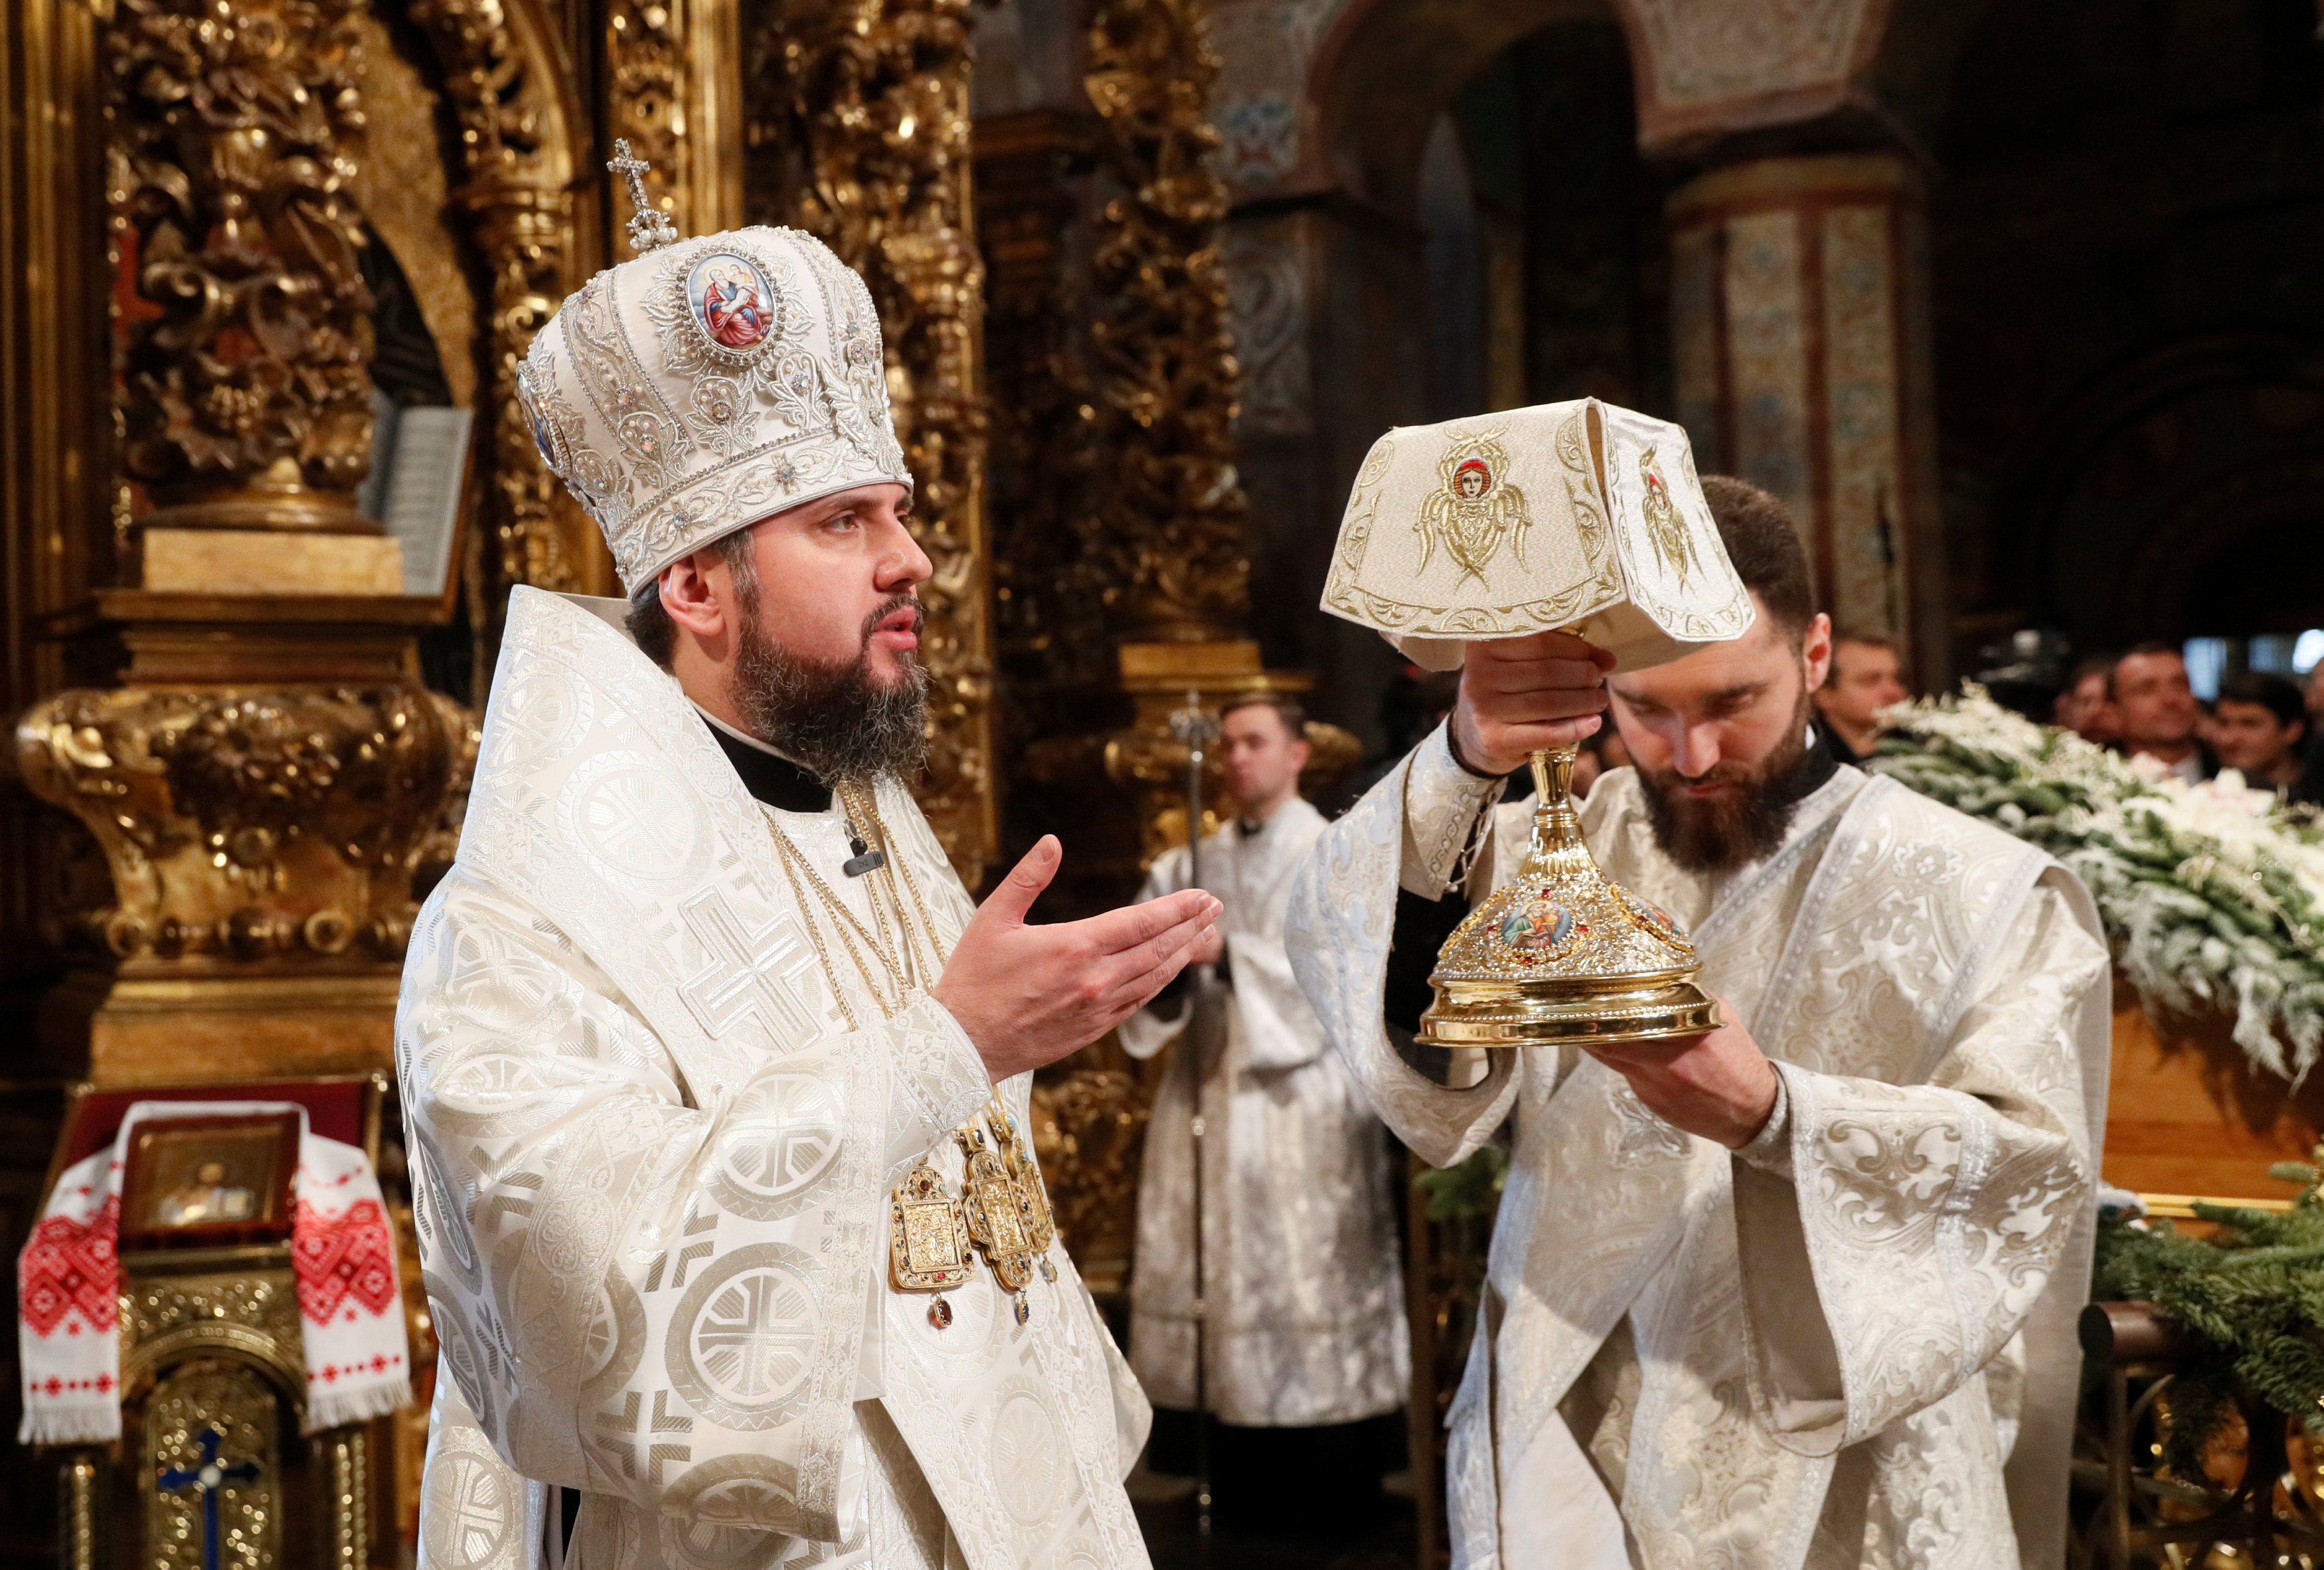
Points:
(2250, 1297)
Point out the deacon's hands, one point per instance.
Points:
(1028, 996)
(1518, 695)
(1719, 1085)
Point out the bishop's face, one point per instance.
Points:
(839, 579)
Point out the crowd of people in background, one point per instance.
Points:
(2267, 727)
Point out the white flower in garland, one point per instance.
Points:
(2212, 894)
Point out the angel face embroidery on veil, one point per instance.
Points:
(1665, 527)
(1475, 509)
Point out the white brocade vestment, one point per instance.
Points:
(1855, 1347)
(1303, 1288)
(651, 1163)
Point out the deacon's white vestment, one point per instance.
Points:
(1852, 1345)
(1305, 1299)
(651, 1163)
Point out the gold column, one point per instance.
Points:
(517, 128)
(1165, 367)
(858, 133)
(1800, 330)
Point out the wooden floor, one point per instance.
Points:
(2190, 1115)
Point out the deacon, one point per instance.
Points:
(1304, 1296)
(716, 1083)
(1780, 1294)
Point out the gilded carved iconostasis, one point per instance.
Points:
(2009, 304)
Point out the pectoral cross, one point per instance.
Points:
(210, 1477)
(649, 226)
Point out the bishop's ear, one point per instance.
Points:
(696, 590)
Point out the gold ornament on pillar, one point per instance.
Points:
(1576, 516)
(858, 132)
(245, 400)
(1167, 375)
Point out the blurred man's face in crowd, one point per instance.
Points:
(1865, 680)
(1263, 758)
(2083, 709)
(2154, 704)
(2248, 737)
(1718, 738)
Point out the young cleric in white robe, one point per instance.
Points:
(1800, 1291)
(709, 1066)
(1302, 1283)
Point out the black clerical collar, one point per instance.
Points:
(1826, 753)
(769, 776)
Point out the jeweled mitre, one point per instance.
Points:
(1577, 516)
(708, 383)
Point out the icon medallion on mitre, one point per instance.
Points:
(1577, 516)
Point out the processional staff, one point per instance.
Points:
(1205, 1027)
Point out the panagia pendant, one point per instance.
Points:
(993, 1206)
(927, 1240)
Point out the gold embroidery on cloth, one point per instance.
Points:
(1476, 508)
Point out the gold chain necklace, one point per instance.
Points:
(886, 948)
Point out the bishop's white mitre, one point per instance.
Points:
(706, 384)
(1576, 515)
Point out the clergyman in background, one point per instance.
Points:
(2261, 722)
(1866, 677)
(1307, 1356)
(2155, 705)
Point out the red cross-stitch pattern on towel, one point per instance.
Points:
(70, 1264)
(339, 1257)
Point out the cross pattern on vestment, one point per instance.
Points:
(753, 1338)
(210, 1477)
(472, 1511)
(747, 971)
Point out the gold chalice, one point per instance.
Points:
(1560, 953)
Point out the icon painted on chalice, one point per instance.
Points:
(1540, 928)
(732, 299)
(1653, 918)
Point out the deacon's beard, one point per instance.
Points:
(1718, 834)
(836, 718)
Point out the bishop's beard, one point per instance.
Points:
(1720, 833)
(836, 718)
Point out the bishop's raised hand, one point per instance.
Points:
(1026, 995)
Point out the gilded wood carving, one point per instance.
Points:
(858, 133)
(234, 138)
(1167, 371)
(514, 141)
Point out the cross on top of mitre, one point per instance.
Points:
(649, 226)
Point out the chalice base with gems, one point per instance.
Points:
(1561, 954)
